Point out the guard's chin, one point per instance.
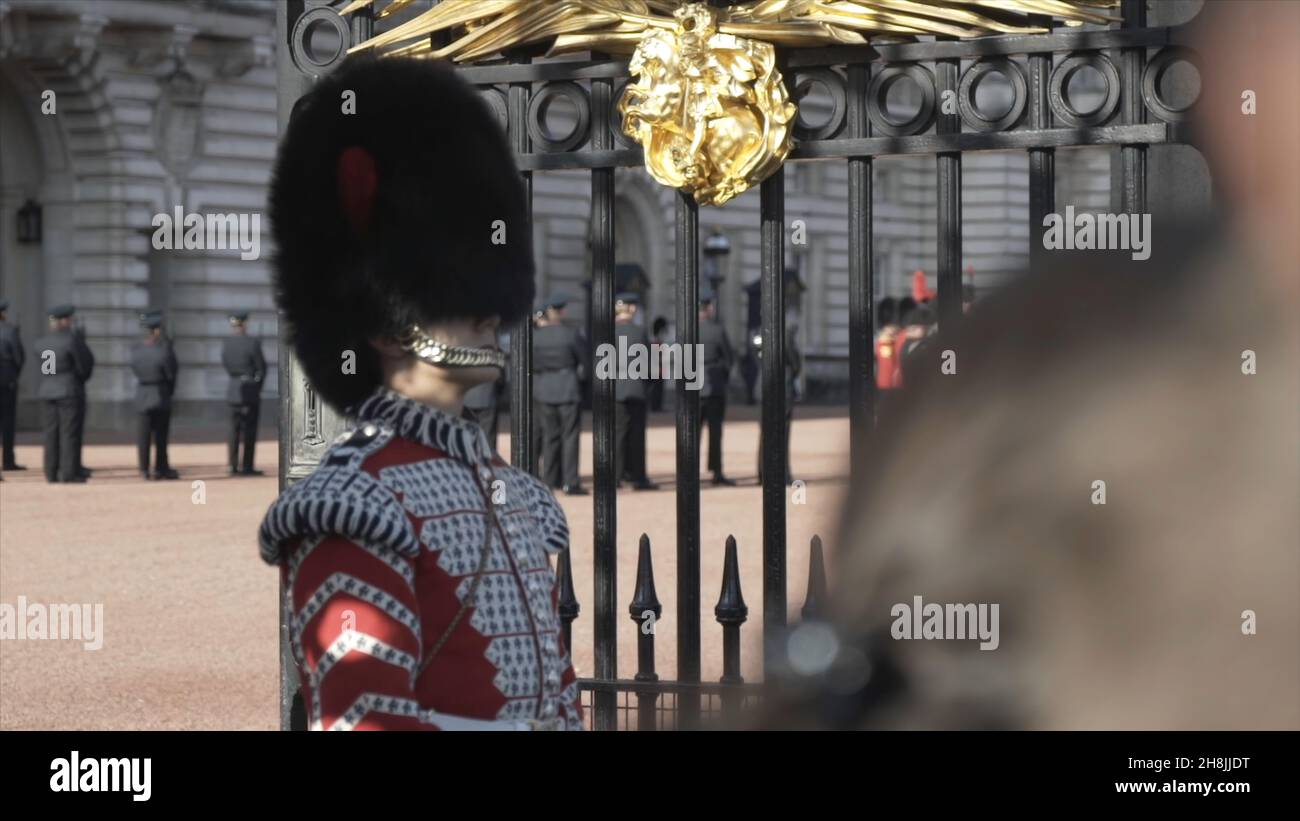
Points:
(473, 377)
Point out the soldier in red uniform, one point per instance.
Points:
(889, 343)
(417, 564)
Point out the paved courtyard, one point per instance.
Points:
(189, 611)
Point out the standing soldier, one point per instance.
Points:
(659, 336)
(717, 360)
(538, 320)
(11, 363)
(154, 363)
(66, 364)
(557, 367)
(482, 409)
(79, 421)
(241, 354)
(629, 399)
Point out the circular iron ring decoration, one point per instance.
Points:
(495, 100)
(616, 119)
(970, 112)
(834, 85)
(300, 48)
(1058, 94)
(1155, 71)
(877, 103)
(537, 130)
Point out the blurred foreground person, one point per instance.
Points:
(154, 364)
(416, 561)
(1165, 598)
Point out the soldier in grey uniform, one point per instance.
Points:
(482, 409)
(629, 400)
(717, 360)
(793, 367)
(482, 405)
(11, 363)
(62, 391)
(241, 355)
(154, 363)
(558, 358)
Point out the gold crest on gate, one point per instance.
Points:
(710, 110)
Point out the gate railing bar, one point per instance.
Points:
(522, 453)
(862, 383)
(688, 455)
(604, 508)
(1133, 158)
(948, 167)
(846, 148)
(291, 85)
(772, 298)
(693, 688)
(998, 46)
(993, 46)
(1042, 161)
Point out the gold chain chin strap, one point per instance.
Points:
(489, 524)
(425, 347)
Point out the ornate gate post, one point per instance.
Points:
(313, 40)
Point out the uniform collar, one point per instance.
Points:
(460, 438)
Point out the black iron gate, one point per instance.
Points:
(1131, 59)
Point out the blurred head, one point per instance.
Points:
(1103, 470)
(1250, 59)
(886, 312)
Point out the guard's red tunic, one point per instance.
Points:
(379, 547)
(889, 349)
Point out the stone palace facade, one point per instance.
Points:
(114, 113)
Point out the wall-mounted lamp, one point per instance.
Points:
(29, 223)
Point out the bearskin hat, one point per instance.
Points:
(394, 201)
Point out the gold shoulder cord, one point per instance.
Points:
(490, 524)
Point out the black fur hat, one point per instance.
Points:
(886, 311)
(395, 200)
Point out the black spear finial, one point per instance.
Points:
(814, 604)
(645, 597)
(731, 607)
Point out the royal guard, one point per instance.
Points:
(416, 563)
(921, 291)
(889, 374)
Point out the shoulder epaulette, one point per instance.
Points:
(340, 498)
